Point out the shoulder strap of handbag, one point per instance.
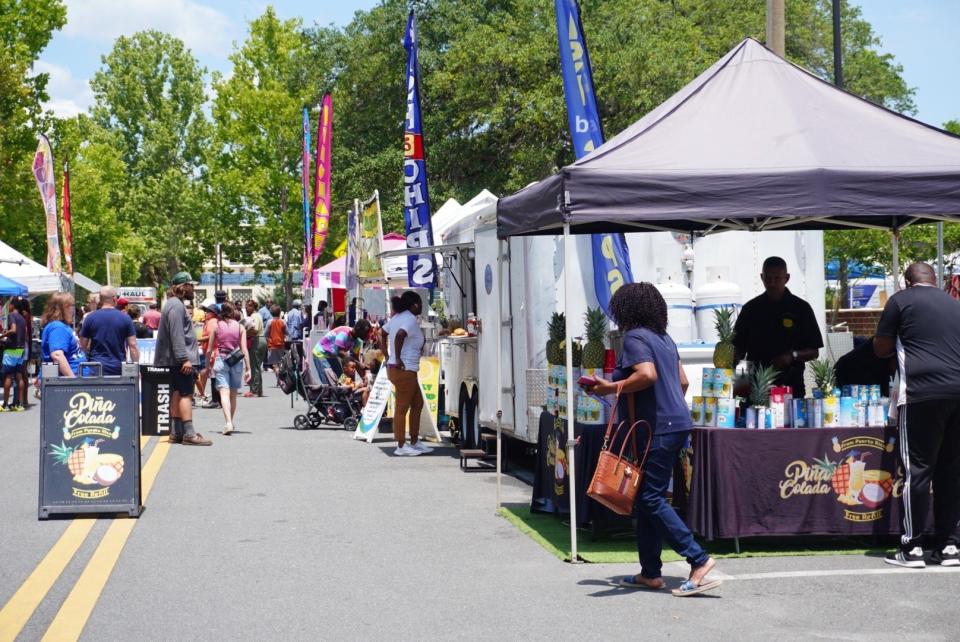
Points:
(613, 416)
(632, 410)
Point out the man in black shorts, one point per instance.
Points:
(921, 326)
(177, 349)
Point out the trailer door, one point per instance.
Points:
(493, 310)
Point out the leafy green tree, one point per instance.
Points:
(255, 157)
(25, 29)
(149, 97)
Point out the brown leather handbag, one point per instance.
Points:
(617, 479)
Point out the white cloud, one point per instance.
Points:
(203, 29)
(69, 96)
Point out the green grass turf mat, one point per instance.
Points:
(617, 544)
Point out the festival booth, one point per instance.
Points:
(25, 271)
(755, 143)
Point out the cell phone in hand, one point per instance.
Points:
(587, 382)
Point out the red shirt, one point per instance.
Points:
(151, 319)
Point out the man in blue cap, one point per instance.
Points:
(177, 349)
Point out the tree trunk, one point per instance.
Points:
(842, 297)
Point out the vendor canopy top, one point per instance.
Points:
(753, 143)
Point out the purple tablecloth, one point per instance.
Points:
(823, 481)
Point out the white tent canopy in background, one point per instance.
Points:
(22, 269)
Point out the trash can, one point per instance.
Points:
(155, 388)
(89, 442)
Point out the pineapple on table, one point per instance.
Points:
(594, 351)
(824, 375)
(761, 381)
(723, 353)
(557, 329)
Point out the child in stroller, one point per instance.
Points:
(330, 402)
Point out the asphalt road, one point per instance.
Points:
(278, 534)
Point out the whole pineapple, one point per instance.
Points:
(761, 381)
(594, 351)
(557, 329)
(823, 375)
(723, 353)
(577, 354)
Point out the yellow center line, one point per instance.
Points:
(76, 609)
(20, 608)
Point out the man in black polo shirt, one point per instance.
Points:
(921, 325)
(778, 328)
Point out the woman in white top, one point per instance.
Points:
(404, 347)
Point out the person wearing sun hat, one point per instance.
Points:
(177, 349)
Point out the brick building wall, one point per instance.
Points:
(862, 322)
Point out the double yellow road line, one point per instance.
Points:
(76, 609)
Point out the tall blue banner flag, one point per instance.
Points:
(611, 258)
(421, 268)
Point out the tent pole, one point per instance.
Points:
(940, 276)
(571, 424)
(896, 260)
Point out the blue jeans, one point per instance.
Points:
(656, 520)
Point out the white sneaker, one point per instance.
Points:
(421, 447)
(406, 451)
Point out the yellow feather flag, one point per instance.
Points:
(341, 249)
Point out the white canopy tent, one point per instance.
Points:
(22, 269)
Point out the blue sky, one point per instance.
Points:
(920, 33)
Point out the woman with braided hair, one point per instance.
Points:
(649, 370)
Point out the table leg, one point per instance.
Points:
(736, 544)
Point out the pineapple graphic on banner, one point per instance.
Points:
(421, 268)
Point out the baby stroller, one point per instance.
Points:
(330, 403)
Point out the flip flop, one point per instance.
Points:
(689, 588)
(628, 582)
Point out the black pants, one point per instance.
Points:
(930, 448)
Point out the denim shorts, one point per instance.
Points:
(228, 376)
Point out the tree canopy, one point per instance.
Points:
(163, 172)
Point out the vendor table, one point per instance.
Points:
(818, 481)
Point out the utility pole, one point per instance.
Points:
(837, 46)
(775, 27)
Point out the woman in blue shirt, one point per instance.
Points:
(649, 369)
(58, 343)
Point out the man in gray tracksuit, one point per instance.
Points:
(177, 349)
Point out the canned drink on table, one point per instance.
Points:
(723, 383)
(726, 413)
(710, 412)
(799, 414)
(696, 411)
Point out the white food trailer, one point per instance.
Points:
(517, 296)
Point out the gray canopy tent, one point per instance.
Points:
(753, 143)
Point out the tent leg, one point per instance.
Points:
(940, 275)
(571, 424)
(896, 260)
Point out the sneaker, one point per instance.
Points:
(249, 394)
(912, 558)
(196, 440)
(174, 439)
(17, 408)
(406, 451)
(949, 556)
(210, 404)
(421, 447)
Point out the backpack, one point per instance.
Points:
(288, 372)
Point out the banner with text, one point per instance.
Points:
(43, 174)
(352, 267)
(114, 261)
(305, 172)
(321, 184)
(421, 268)
(66, 220)
(611, 258)
(371, 238)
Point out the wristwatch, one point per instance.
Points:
(795, 354)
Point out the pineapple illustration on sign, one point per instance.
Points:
(723, 353)
(87, 464)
